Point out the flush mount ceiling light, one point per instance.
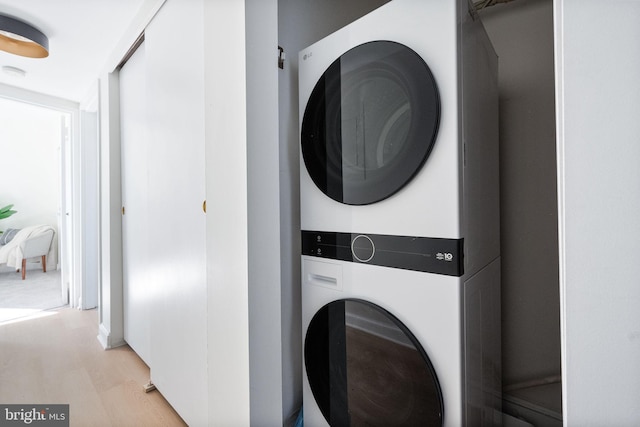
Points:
(22, 39)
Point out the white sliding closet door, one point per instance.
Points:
(135, 218)
(177, 264)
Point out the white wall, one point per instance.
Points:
(30, 142)
(111, 329)
(598, 100)
(90, 191)
(268, 336)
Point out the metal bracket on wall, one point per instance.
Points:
(281, 57)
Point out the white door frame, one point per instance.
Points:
(65, 218)
(65, 237)
(71, 221)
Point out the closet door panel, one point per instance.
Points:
(135, 175)
(175, 82)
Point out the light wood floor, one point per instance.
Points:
(58, 359)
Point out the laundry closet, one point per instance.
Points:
(528, 200)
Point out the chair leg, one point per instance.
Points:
(24, 268)
(44, 263)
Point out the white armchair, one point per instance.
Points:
(30, 242)
(37, 246)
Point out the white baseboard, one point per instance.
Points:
(104, 337)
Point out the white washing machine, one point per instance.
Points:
(400, 220)
(395, 347)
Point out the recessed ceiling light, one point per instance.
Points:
(22, 39)
(14, 71)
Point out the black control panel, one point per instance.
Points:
(431, 255)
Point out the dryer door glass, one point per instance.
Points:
(370, 123)
(365, 368)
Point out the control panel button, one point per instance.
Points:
(362, 248)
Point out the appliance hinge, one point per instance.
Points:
(281, 57)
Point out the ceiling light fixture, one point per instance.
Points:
(22, 39)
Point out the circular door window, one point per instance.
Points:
(370, 123)
(365, 368)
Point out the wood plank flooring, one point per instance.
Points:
(58, 359)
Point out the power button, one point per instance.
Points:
(362, 248)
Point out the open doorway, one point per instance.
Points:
(35, 148)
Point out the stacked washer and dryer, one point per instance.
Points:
(400, 220)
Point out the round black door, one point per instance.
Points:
(365, 368)
(370, 123)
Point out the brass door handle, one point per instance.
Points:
(204, 206)
(123, 210)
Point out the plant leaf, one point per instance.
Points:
(6, 212)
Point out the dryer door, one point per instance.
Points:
(370, 123)
(366, 368)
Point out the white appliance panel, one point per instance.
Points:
(433, 196)
(429, 305)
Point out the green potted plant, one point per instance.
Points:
(6, 212)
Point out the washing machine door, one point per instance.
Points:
(370, 123)
(365, 368)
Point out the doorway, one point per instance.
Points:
(35, 142)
